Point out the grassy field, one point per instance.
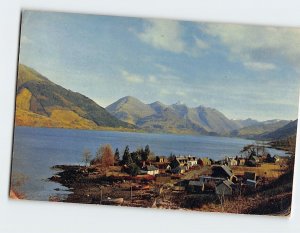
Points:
(267, 170)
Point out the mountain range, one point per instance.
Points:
(179, 118)
(42, 103)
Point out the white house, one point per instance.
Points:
(150, 170)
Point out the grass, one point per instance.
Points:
(266, 170)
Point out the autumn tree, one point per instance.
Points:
(86, 156)
(107, 156)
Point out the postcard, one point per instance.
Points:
(156, 113)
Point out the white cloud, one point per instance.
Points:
(260, 66)
(163, 34)
(164, 92)
(180, 93)
(255, 44)
(152, 79)
(132, 78)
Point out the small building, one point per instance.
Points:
(276, 159)
(150, 170)
(232, 162)
(195, 186)
(241, 161)
(161, 159)
(186, 160)
(192, 161)
(222, 171)
(204, 161)
(225, 188)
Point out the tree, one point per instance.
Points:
(135, 157)
(117, 155)
(107, 156)
(146, 153)
(126, 160)
(133, 169)
(86, 156)
(97, 159)
(171, 157)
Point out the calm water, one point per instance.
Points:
(36, 150)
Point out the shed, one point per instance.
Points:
(224, 188)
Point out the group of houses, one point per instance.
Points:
(222, 181)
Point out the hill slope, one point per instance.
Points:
(286, 131)
(259, 128)
(42, 103)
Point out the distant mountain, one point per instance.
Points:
(130, 109)
(259, 128)
(175, 118)
(246, 123)
(287, 130)
(42, 103)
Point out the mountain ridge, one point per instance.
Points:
(42, 103)
(178, 117)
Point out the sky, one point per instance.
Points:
(243, 71)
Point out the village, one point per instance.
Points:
(142, 179)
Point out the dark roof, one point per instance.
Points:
(225, 168)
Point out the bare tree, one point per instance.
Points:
(86, 156)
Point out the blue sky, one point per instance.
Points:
(243, 71)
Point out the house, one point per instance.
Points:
(222, 171)
(204, 161)
(225, 188)
(161, 159)
(241, 161)
(195, 186)
(210, 179)
(276, 158)
(232, 162)
(150, 170)
(186, 160)
(209, 182)
(192, 161)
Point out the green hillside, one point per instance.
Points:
(42, 103)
